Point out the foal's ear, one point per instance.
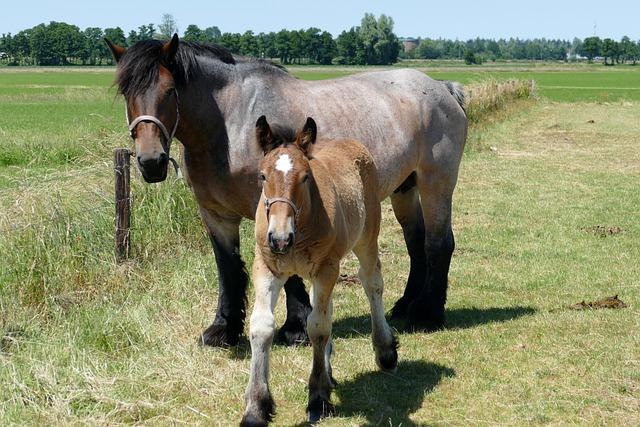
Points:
(308, 134)
(264, 135)
(170, 48)
(116, 51)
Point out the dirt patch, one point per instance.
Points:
(609, 302)
(349, 279)
(603, 230)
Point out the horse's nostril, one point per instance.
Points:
(163, 159)
(139, 160)
(290, 239)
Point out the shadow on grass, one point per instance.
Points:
(457, 318)
(389, 399)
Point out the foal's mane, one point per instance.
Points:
(138, 68)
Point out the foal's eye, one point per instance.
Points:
(261, 177)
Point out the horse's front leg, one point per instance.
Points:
(319, 329)
(228, 324)
(260, 407)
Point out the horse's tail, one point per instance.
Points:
(456, 90)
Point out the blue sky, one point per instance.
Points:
(449, 19)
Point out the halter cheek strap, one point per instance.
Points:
(146, 118)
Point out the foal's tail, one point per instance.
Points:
(456, 90)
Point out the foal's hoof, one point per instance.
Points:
(219, 335)
(387, 359)
(293, 332)
(399, 310)
(428, 319)
(318, 409)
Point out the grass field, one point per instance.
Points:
(84, 340)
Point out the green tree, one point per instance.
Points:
(350, 47)
(193, 33)
(248, 44)
(56, 44)
(381, 45)
(610, 50)
(168, 26)
(94, 49)
(591, 47)
(212, 34)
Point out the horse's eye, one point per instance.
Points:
(261, 177)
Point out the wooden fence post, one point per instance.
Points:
(123, 202)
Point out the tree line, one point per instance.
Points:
(59, 43)
(480, 50)
(373, 42)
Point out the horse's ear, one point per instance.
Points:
(116, 51)
(170, 48)
(308, 134)
(264, 135)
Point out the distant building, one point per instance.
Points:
(409, 43)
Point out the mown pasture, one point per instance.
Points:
(545, 214)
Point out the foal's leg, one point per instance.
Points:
(232, 278)
(319, 329)
(259, 403)
(408, 212)
(385, 343)
(427, 310)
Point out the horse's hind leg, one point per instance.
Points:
(319, 329)
(408, 212)
(436, 190)
(385, 343)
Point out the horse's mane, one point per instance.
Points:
(138, 67)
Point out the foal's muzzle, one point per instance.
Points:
(153, 166)
(280, 244)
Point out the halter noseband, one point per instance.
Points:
(153, 119)
(268, 202)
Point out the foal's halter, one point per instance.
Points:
(153, 119)
(268, 202)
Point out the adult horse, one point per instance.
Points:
(210, 99)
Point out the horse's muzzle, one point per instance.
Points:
(153, 168)
(280, 244)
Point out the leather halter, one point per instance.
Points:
(153, 119)
(268, 202)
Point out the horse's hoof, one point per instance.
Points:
(428, 319)
(318, 409)
(388, 359)
(399, 310)
(249, 420)
(261, 414)
(293, 332)
(218, 335)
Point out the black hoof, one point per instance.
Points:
(428, 319)
(388, 360)
(220, 335)
(399, 310)
(318, 409)
(293, 332)
(266, 408)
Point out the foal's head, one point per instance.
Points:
(284, 172)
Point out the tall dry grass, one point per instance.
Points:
(488, 96)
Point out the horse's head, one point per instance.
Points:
(145, 80)
(284, 172)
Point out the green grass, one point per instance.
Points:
(84, 340)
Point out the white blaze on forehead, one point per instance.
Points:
(284, 163)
